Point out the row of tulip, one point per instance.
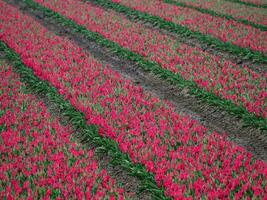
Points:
(223, 29)
(186, 33)
(253, 3)
(188, 160)
(236, 10)
(39, 160)
(214, 74)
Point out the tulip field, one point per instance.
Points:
(38, 158)
(164, 151)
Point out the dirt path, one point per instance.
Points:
(252, 139)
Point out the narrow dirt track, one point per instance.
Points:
(252, 139)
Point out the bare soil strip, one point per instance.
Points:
(252, 139)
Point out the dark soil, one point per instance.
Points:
(254, 140)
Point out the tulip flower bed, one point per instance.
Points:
(222, 29)
(38, 158)
(221, 77)
(188, 160)
(235, 10)
(254, 3)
